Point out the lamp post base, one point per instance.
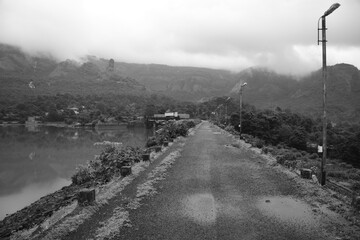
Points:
(323, 178)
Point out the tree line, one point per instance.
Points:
(273, 126)
(283, 127)
(87, 109)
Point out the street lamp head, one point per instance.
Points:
(331, 9)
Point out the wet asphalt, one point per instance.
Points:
(217, 191)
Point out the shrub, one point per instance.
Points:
(290, 156)
(190, 124)
(356, 186)
(338, 174)
(256, 142)
(280, 159)
(354, 176)
(304, 153)
(265, 150)
(151, 142)
(82, 175)
(107, 164)
(343, 165)
(290, 164)
(313, 156)
(230, 129)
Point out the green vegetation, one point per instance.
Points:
(88, 109)
(109, 162)
(293, 138)
(287, 129)
(170, 131)
(114, 155)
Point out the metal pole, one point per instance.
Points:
(226, 114)
(240, 112)
(324, 76)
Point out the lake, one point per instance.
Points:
(38, 161)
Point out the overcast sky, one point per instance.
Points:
(226, 34)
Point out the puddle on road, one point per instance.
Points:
(201, 208)
(287, 209)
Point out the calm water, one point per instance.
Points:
(35, 162)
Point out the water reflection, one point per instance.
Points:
(37, 161)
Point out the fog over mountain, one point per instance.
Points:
(230, 34)
(24, 75)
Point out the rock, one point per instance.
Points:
(356, 202)
(305, 173)
(146, 157)
(5, 233)
(125, 170)
(267, 201)
(315, 179)
(86, 196)
(157, 148)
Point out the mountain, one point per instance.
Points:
(182, 83)
(343, 93)
(20, 73)
(267, 89)
(25, 75)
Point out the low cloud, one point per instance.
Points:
(229, 34)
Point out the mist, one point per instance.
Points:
(222, 34)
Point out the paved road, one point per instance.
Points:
(214, 191)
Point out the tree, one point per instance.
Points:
(298, 139)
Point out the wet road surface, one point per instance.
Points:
(216, 191)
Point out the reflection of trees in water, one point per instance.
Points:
(70, 138)
(35, 157)
(14, 177)
(135, 136)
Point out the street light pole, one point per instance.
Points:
(226, 110)
(324, 77)
(241, 90)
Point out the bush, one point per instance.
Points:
(265, 150)
(151, 142)
(82, 175)
(354, 174)
(338, 174)
(230, 129)
(356, 186)
(281, 159)
(190, 124)
(290, 164)
(314, 156)
(256, 142)
(304, 153)
(107, 164)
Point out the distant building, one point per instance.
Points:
(159, 116)
(184, 116)
(32, 121)
(75, 110)
(171, 115)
